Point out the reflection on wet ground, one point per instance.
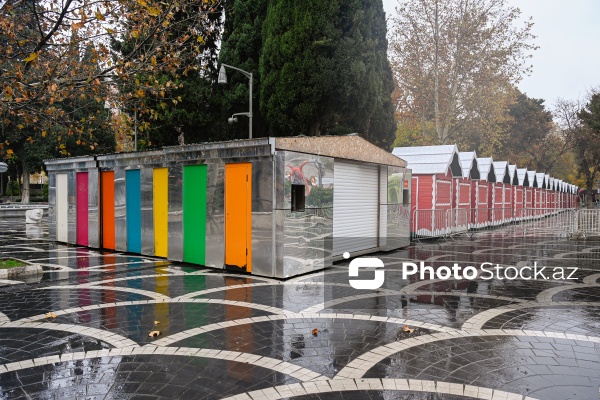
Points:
(311, 337)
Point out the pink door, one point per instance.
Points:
(82, 208)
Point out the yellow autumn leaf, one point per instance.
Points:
(9, 153)
(142, 2)
(44, 133)
(153, 11)
(153, 60)
(111, 31)
(99, 15)
(31, 57)
(135, 34)
(200, 39)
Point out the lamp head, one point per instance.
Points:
(232, 120)
(222, 75)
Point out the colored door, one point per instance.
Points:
(108, 209)
(62, 207)
(82, 208)
(160, 190)
(238, 216)
(133, 210)
(194, 214)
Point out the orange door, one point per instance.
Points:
(108, 209)
(238, 216)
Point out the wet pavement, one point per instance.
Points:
(224, 335)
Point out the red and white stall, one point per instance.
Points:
(509, 193)
(551, 193)
(540, 192)
(501, 210)
(548, 187)
(530, 193)
(462, 201)
(481, 216)
(520, 194)
(434, 169)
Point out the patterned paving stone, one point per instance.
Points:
(20, 344)
(137, 321)
(565, 319)
(241, 337)
(337, 342)
(544, 368)
(139, 376)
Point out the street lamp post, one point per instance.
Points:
(223, 79)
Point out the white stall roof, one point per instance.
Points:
(541, 179)
(429, 160)
(486, 171)
(547, 181)
(523, 177)
(501, 170)
(468, 162)
(512, 172)
(532, 179)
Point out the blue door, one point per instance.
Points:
(133, 211)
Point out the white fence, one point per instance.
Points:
(445, 223)
(587, 222)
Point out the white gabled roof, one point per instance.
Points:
(468, 163)
(532, 178)
(551, 180)
(540, 178)
(429, 160)
(523, 177)
(501, 170)
(486, 172)
(512, 172)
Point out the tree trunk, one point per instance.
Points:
(436, 84)
(315, 128)
(25, 187)
(589, 203)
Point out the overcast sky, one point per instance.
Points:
(567, 64)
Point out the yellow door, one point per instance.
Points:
(161, 211)
(238, 216)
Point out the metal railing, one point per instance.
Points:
(587, 222)
(429, 223)
(445, 223)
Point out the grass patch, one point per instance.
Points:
(9, 263)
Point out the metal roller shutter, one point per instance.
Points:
(355, 207)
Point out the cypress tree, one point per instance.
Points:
(325, 69)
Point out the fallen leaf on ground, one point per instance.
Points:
(154, 334)
(408, 329)
(156, 322)
(50, 315)
(315, 332)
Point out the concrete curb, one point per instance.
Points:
(18, 272)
